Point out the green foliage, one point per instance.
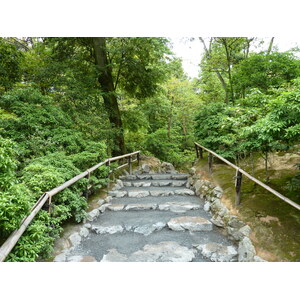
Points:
(10, 60)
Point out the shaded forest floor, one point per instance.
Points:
(275, 224)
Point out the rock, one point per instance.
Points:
(164, 183)
(178, 183)
(192, 171)
(145, 168)
(184, 192)
(116, 207)
(139, 184)
(84, 232)
(246, 250)
(87, 225)
(120, 183)
(178, 207)
(130, 177)
(149, 228)
(75, 258)
(190, 223)
(217, 220)
(75, 239)
(116, 187)
(180, 177)
(127, 183)
(117, 194)
(234, 222)
(92, 215)
(259, 259)
(114, 256)
(138, 194)
(108, 199)
(103, 207)
(107, 229)
(167, 168)
(60, 258)
(163, 252)
(216, 206)
(140, 206)
(144, 177)
(217, 252)
(198, 184)
(189, 182)
(161, 193)
(100, 202)
(239, 234)
(206, 206)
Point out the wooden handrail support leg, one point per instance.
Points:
(130, 165)
(238, 185)
(210, 161)
(138, 159)
(197, 153)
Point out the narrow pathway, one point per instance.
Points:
(150, 217)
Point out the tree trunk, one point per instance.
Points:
(229, 68)
(224, 85)
(270, 46)
(110, 99)
(170, 118)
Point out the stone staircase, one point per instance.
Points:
(150, 217)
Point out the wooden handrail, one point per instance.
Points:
(241, 171)
(12, 240)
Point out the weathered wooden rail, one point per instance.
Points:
(12, 240)
(238, 178)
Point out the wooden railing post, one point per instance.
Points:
(201, 152)
(130, 165)
(238, 185)
(138, 158)
(197, 152)
(210, 161)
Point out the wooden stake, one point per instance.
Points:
(238, 185)
(210, 161)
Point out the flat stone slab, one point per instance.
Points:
(117, 194)
(163, 193)
(114, 256)
(185, 192)
(168, 251)
(116, 207)
(149, 228)
(179, 207)
(218, 253)
(142, 183)
(140, 206)
(107, 229)
(138, 193)
(79, 258)
(190, 223)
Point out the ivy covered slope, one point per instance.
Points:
(40, 149)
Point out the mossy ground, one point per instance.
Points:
(275, 224)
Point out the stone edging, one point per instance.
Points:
(236, 229)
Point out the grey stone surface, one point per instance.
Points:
(118, 194)
(92, 214)
(167, 251)
(198, 184)
(234, 222)
(60, 258)
(103, 207)
(206, 206)
(246, 250)
(178, 183)
(190, 223)
(141, 183)
(127, 183)
(259, 259)
(100, 202)
(149, 228)
(140, 206)
(179, 206)
(75, 239)
(120, 183)
(116, 207)
(218, 221)
(157, 193)
(138, 193)
(167, 168)
(84, 232)
(107, 229)
(87, 225)
(145, 168)
(114, 256)
(218, 253)
(184, 192)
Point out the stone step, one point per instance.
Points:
(174, 206)
(128, 242)
(190, 223)
(156, 183)
(179, 176)
(151, 191)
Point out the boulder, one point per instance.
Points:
(149, 228)
(92, 215)
(217, 252)
(167, 168)
(75, 239)
(145, 168)
(138, 194)
(103, 207)
(206, 206)
(246, 250)
(84, 232)
(107, 229)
